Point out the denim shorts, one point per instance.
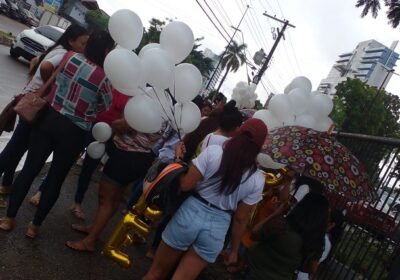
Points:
(200, 226)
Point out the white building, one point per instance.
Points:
(370, 61)
(214, 76)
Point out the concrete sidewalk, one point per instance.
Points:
(47, 258)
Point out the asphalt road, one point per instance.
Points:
(9, 25)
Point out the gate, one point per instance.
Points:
(369, 246)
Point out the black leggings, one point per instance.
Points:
(54, 133)
(13, 151)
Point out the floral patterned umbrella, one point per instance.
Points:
(320, 156)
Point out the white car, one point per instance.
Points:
(33, 42)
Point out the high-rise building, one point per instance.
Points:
(371, 62)
(214, 76)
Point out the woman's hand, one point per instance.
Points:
(180, 151)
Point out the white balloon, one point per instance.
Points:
(188, 82)
(123, 69)
(177, 39)
(163, 101)
(280, 106)
(126, 28)
(307, 121)
(321, 105)
(323, 125)
(266, 161)
(101, 131)
(142, 114)
(187, 117)
(268, 118)
(158, 68)
(301, 82)
(148, 47)
(96, 150)
(288, 88)
(299, 100)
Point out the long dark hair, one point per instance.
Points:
(230, 118)
(192, 140)
(309, 218)
(97, 45)
(239, 156)
(70, 34)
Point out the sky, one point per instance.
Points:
(323, 30)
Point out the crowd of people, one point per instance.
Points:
(209, 216)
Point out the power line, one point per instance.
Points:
(216, 27)
(211, 10)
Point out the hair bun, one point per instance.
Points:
(230, 105)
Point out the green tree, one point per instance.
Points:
(232, 59)
(258, 105)
(97, 20)
(373, 7)
(359, 108)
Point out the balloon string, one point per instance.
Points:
(172, 111)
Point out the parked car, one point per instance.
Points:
(29, 18)
(13, 12)
(33, 42)
(379, 218)
(4, 7)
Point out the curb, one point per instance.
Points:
(5, 41)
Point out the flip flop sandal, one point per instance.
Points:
(82, 249)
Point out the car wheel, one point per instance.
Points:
(13, 53)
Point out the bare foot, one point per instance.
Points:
(77, 212)
(32, 231)
(7, 224)
(80, 246)
(81, 228)
(35, 200)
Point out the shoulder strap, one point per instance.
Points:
(44, 89)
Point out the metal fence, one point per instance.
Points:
(368, 247)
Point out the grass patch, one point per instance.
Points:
(8, 35)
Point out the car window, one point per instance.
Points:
(49, 32)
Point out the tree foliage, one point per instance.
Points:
(97, 20)
(359, 108)
(232, 59)
(373, 7)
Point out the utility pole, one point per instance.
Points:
(226, 49)
(262, 70)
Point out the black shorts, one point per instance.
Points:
(124, 167)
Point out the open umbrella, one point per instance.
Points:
(320, 156)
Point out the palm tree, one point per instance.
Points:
(232, 59)
(373, 7)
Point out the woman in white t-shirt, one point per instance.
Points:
(230, 120)
(74, 38)
(226, 182)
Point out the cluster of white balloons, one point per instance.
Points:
(298, 106)
(244, 95)
(156, 65)
(101, 132)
